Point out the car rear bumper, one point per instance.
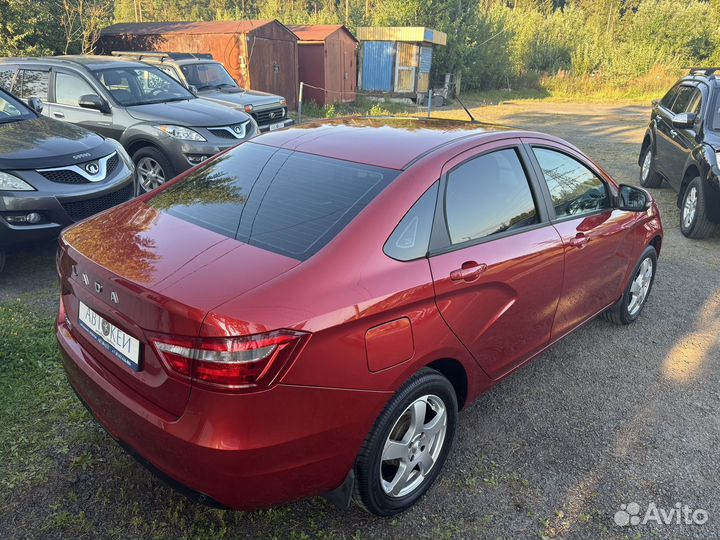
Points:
(243, 451)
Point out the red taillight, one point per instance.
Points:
(230, 363)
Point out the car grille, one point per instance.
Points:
(78, 210)
(229, 131)
(263, 117)
(68, 176)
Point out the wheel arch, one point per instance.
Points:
(656, 242)
(136, 144)
(692, 171)
(647, 141)
(454, 371)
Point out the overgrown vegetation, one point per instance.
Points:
(563, 46)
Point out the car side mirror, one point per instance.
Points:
(684, 120)
(93, 101)
(633, 199)
(35, 104)
(193, 89)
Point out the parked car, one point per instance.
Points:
(681, 147)
(53, 174)
(342, 289)
(163, 126)
(210, 80)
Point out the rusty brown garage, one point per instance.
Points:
(262, 55)
(327, 56)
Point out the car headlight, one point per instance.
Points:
(283, 102)
(182, 133)
(122, 154)
(9, 182)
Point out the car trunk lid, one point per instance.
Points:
(148, 273)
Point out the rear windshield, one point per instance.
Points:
(286, 202)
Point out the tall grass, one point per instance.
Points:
(585, 47)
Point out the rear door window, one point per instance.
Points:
(7, 74)
(288, 203)
(488, 195)
(34, 84)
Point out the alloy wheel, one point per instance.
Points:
(150, 173)
(690, 207)
(413, 446)
(640, 286)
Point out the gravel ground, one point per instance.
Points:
(608, 417)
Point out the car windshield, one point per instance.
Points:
(285, 202)
(141, 86)
(12, 110)
(208, 75)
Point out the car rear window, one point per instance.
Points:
(286, 202)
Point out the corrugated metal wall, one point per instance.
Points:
(378, 65)
(407, 62)
(423, 78)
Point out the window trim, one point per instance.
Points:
(546, 189)
(440, 242)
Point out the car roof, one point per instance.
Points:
(389, 142)
(90, 62)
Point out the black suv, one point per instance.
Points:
(165, 127)
(681, 146)
(210, 80)
(53, 174)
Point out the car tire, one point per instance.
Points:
(694, 222)
(649, 178)
(153, 168)
(384, 487)
(633, 300)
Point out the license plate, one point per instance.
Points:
(272, 127)
(122, 346)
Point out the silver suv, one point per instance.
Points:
(210, 80)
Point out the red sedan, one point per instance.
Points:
(307, 312)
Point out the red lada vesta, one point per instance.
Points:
(306, 313)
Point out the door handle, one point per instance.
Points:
(579, 241)
(58, 115)
(469, 271)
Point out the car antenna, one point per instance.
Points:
(472, 118)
